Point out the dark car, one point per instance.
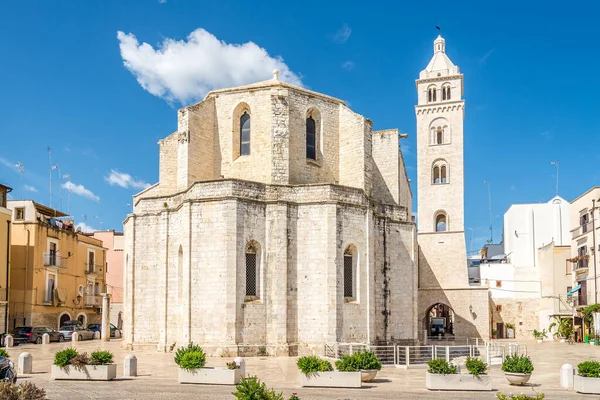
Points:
(98, 328)
(33, 334)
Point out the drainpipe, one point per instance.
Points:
(26, 271)
(594, 252)
(7, 275)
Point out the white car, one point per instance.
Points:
(68, 330)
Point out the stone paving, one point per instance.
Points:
(157, 376)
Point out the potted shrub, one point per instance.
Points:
(517, 369)
(587, 379)
(564, 328)
(318, 372)
(494, 334)
(540, 336)
(510, 331)
(364, 361)
(253, 388)
(71, 365)
(191, 361)
(442, 375)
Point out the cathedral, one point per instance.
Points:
(282, 222)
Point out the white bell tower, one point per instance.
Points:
(440, 113)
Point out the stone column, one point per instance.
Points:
(105, 317)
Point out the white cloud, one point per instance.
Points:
(85, 228)
(185, 70)
(8, 164)
(125, 180)
(483, 59)
(349, 65)
(162, 1)
(80, 190)
(30, 188)
(343, 34)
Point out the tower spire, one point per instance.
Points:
(439, 45)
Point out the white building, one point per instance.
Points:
(526, 282)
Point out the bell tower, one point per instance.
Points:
(440, 174)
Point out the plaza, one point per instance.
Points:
(157, 376)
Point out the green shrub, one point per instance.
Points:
(441, 366)
(310, 364)
(475, 366)
(517, 364)
(294, 396)
(101, 357)
(192, 361)
(23, 391)
(63, 358)
(80, 360)
(358, 361)
(589, 369)
(4, 354)
(502, 396)
(191, 348)
(540, 335)
(252, 388)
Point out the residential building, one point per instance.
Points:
(585, 245)
(114, 243)
(280, 220)
(444, 290)
(528, 280)
(5, 218)
(56, 273)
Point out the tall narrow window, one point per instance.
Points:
(349, 273)
(245, 134)
(443, 174)
(429, 96)
(251, 271)
(436, 174)
(440, 223)
(443, 93)
(448, 93)
(440, 136)
(311, 139)
(434, 93)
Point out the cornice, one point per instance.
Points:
(440, 108)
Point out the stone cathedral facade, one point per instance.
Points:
(280, 220)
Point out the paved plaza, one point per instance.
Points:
(157, 376)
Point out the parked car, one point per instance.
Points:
(68, 330)
(33, 334)
(98, 328)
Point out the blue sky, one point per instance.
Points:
(63, 84)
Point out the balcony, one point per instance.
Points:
(93, 301)
(53, 260)
(581, 230)
(581, 265)
(92, 269)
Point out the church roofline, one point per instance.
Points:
(271, 83)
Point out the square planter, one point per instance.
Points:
(210, 376)
(86, 373)
(586, 385)
(331, 379)
(466, 382)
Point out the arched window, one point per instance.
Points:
(350, 272)
(436, 174)
(311, 138)
(431, 94)
(448, 93)
(443, 174)
(439, 136)
(252, 253)
(439, 172)
(443, 93)
(440, 222)
(434, 94)
(245, 134)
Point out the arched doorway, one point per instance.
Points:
(64, 317)
(439, 322)
(82, 318)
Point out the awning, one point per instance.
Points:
(576, 288)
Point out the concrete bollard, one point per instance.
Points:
(567, 374)
(96, 335)
(8, 341)
(45, 338)
(240, 361)
(75, 337)
(25, 365)
(130, 365)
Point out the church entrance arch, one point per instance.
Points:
(439, 322)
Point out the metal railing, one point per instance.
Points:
(92, 269)
(54, 260)
(93, 301)
(581, 230)
(581, 264)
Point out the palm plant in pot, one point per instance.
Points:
(564, 328)
(364, 361)
(517, 369)
(540, 336)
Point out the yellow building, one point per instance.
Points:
(4, 256)
(56, 273)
